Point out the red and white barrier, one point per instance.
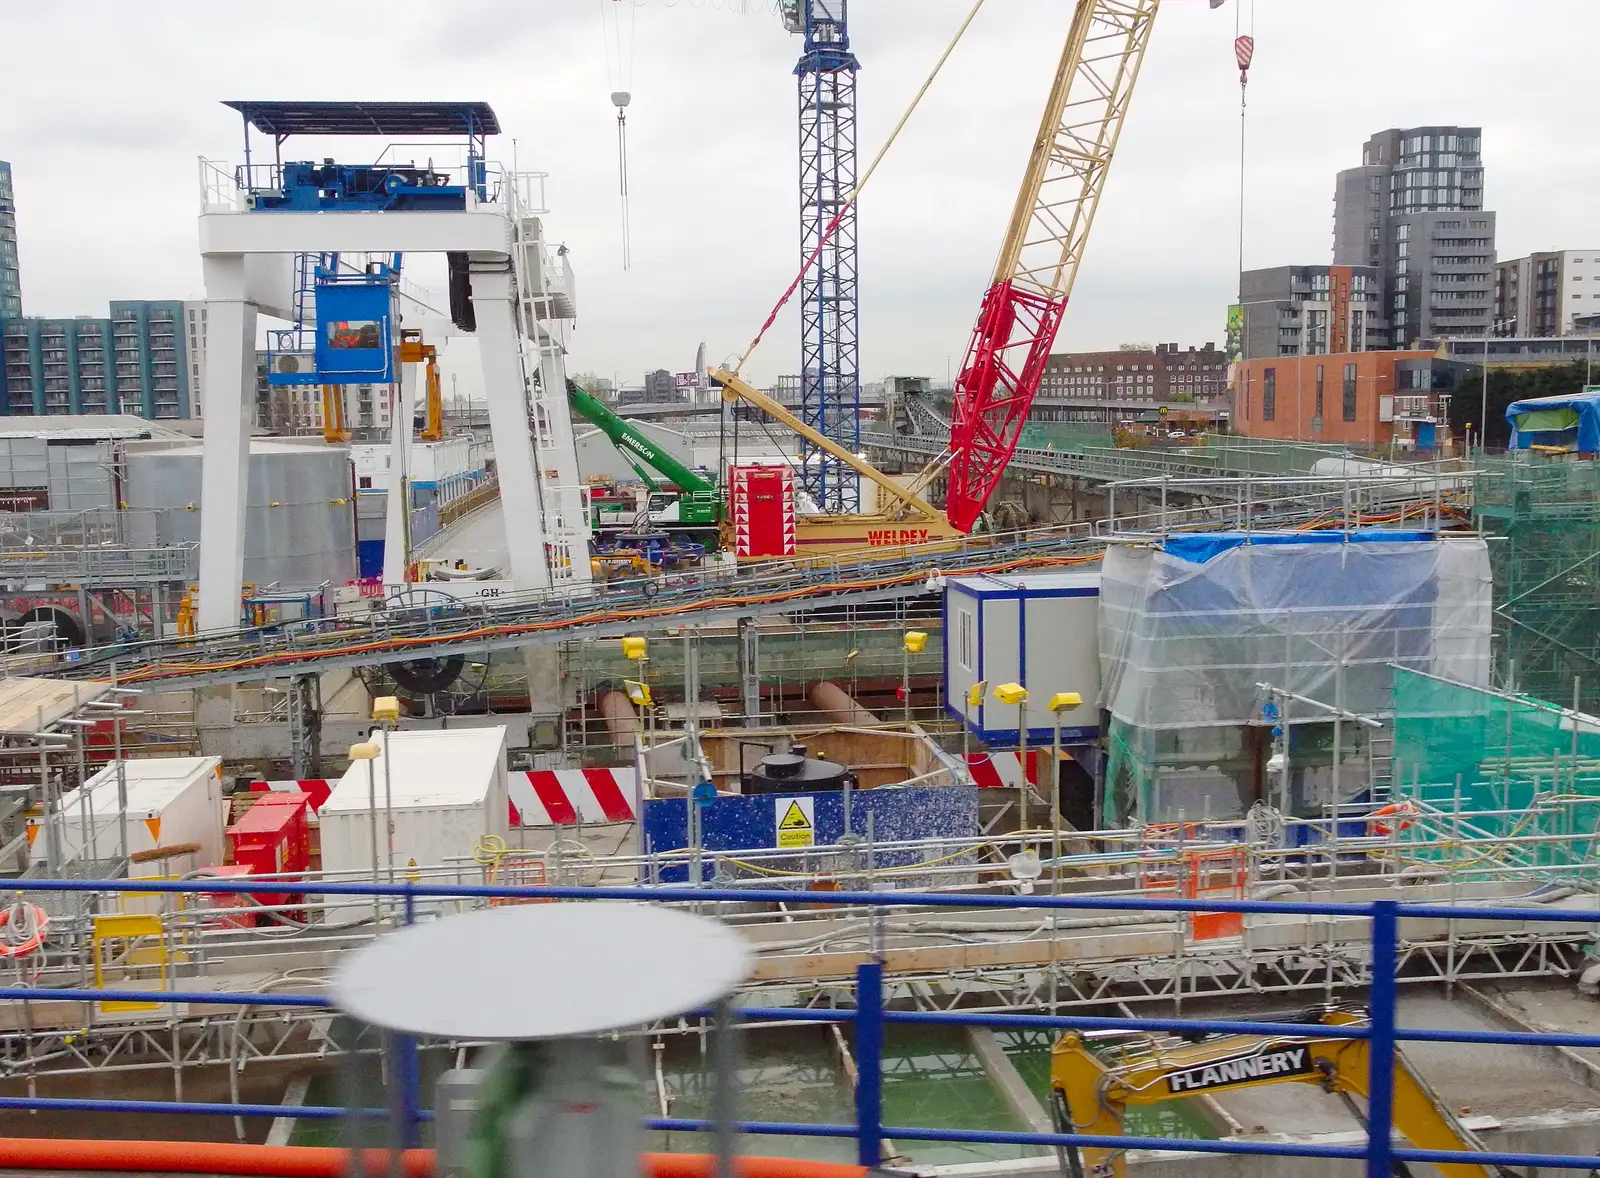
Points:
(1003, 769)
(563, 797)
(317, 788)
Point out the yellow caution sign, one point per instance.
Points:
(796, 821)
(412, 874)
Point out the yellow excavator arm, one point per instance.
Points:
(1094, 1079)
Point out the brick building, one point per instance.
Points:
(1127, 384)
(1360, 399)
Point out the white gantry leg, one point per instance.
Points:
(397, 520)
(506, 390)
(228, 403)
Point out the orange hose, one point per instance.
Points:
(307, 1161)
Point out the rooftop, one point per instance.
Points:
(368, 118)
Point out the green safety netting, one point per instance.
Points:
(1483, 767)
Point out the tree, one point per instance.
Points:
(594, 384)
(1506, 386)
(1136, 347)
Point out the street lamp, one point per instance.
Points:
(1483, 418)
(369, 753)
(912, 643)
(1017, 695)
(974, 699)
(1061, 701)
(637, 648)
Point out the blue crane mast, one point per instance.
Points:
(830, 376)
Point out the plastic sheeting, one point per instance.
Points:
(1190, 628)
(1570, 421)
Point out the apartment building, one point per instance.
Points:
(10, 269)
(1544, 295)
(1115, 386)
(1312, 310)
(1414, 210)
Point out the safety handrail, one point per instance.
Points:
(870, 1015)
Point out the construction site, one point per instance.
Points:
(938, 791)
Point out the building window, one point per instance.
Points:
(1318, 413)
(1269, 393)
(1349, 392)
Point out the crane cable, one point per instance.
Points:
(849, 203)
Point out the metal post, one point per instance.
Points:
(372, 809)
(725, 1078)
(869, 1063)
(1483, 412)
(122, 774)
(1380, 1078)
(1055, 814)
(388, 804)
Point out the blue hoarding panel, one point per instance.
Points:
(354, 336)
(734, 824)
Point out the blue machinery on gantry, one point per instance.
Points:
(869, 1018)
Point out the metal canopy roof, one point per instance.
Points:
(368, 118)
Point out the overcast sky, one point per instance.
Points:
(105, 105)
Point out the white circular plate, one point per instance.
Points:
(542, 971)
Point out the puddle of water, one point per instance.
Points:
(1182, 1120)
(931, 1080)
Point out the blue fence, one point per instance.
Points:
(870, 1017)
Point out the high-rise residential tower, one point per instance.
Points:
(1414, 209)
(10, 272)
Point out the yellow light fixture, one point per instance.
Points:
(1011, 693)
(976, 692)
(386, 707)
(635, 647)
(639, 693)
(1065, 701)
(364, 752)
(914, 641)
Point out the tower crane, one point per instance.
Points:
(830, 373)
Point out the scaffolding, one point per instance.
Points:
(1491, 781)
(1542, 515)
(1194, 628)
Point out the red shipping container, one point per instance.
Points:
(273, 838)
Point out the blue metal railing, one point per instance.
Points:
(870, 1017)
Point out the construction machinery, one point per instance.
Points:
(414, 351)
(1043, 245)
(906, 519)
(1021, 310)
(1096, 1077)
(678, 498)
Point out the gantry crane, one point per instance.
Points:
(1043, 245)
(1095, 1077)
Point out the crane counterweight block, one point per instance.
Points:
(1005, 361)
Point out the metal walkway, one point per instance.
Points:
(701, 597)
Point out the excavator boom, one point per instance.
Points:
(1095, 1088)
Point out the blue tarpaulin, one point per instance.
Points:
(1568, 421)
(1199, 547)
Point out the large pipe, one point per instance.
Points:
(620, 717)
(309, 1161)
(837, 705)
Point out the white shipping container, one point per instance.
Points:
(1037, 629)
(171, 801)
(445, 790)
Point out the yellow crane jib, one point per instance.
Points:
(736, 388)
(1096, 1077)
